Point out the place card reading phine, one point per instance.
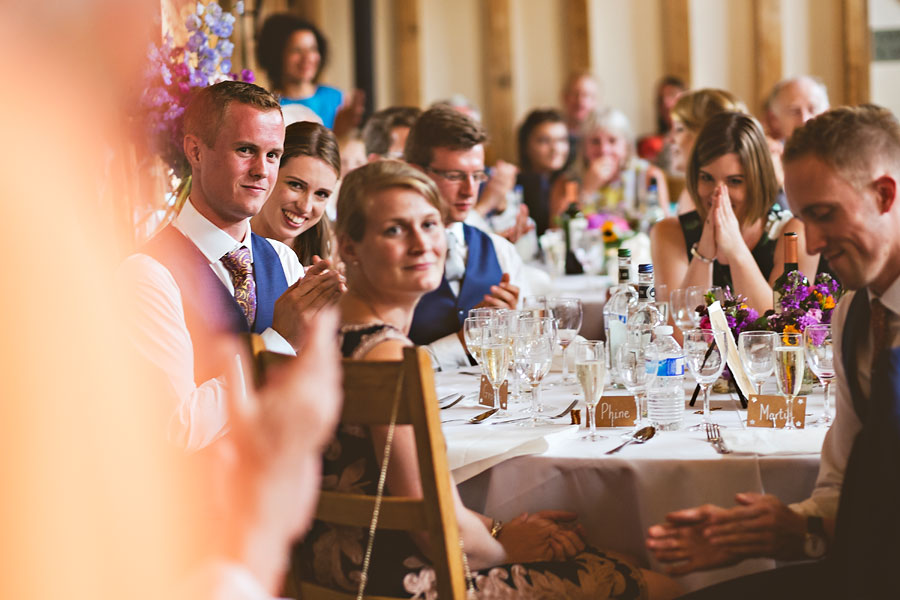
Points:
(486, 393)
(616, 411)
(771, 412)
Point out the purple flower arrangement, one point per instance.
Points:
(173, 72)
(802, 304)
(740, 317)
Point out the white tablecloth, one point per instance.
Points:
(617, 497)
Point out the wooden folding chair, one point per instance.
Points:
(370, 389)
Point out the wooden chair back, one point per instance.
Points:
(370, 390)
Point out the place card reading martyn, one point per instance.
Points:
(616, 411)
(771, 412)
(486, 394)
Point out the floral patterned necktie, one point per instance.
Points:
(240, 267)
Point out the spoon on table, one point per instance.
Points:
(476, 419)
(638, 437)
(560, 415)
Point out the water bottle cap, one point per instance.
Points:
(646, 268)
(624, 253)
(663, 330)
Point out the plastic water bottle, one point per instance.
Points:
(665, 393)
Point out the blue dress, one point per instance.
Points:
(325, 103)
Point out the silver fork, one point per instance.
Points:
(714, 436)
(559, 416)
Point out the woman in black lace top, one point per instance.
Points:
(735, 235)
(391, 238)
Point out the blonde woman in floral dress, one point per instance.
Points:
(394, 256)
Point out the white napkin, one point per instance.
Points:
(757, 440)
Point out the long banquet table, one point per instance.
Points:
(505, 469)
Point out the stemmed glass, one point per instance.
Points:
(694, 296)
(472, 328)
(704, 350)
(662, 301)
(820, 358)
(568, 313)
(681, 309)
(789, 371)
(495, 356)
(536, 305)
(533, 357)
(632, 362)
(757, 350)
(590, 367)
(590, 251)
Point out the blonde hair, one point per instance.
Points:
(741, 134)
(360, 184)
(849, 140)
(695, 108)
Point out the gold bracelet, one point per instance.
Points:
(696, 253)
(496, 528)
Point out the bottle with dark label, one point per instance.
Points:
(783, 283)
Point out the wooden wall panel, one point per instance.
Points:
(576, 37)
(407, 31)
(676, 39)
(499, 113)
(767, 49)
(856, 41)
(311, 10)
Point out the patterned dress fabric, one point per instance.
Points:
(332, 556)
(240, 267)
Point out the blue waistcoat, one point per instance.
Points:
(867, 538)
(440, 312)
(210, 310)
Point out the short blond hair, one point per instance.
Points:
(362, 183)
(849, 140)
(695, 108)
(741, 134)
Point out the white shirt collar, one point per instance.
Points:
(890, 298)
(212, 241)
(457, 230)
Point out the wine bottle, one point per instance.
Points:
(574, 225)
(791, 265)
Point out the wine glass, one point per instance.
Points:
(472, 327)
(536, 305)
(533, 357)
(681, 310)
(704, 350)
(632, 362)
(757, 350)
(662, 301)
(717, 292)
(495, 354)
(590, 251)
(789, 363)
(817, 345)
(695, 297)
(568, 313)
(590, 368)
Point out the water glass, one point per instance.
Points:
(662, 301)
(590, 368)
(757, 350)
(632, 361)
(537, 305)
(789, 361)
(680, 309)
(533, 357)
(568, 313)
(704, 352)
(695, 297)
(817, 345)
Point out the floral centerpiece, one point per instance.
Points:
(802, 304)
(614, 229)
(173, 72)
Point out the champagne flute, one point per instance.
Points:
(789, 371)
(590, 367)
(495, 353)
(568, 313)
(636, 366)
(817, 345)
(704, 351)
(662, 301)
(757, 350)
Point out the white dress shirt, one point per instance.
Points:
(160, 332)
(839, 439)
(448, 352)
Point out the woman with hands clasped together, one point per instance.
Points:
(394, 255)
(735, 235)
(294, 213)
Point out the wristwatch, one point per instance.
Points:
(815, 544)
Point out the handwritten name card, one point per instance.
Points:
(616, 411)
(486, 394)
(771, 412)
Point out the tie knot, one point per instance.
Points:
(238, 261)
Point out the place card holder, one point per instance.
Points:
(486, 393)
(771, 411)
(616, 411)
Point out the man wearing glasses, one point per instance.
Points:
(482, 269)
